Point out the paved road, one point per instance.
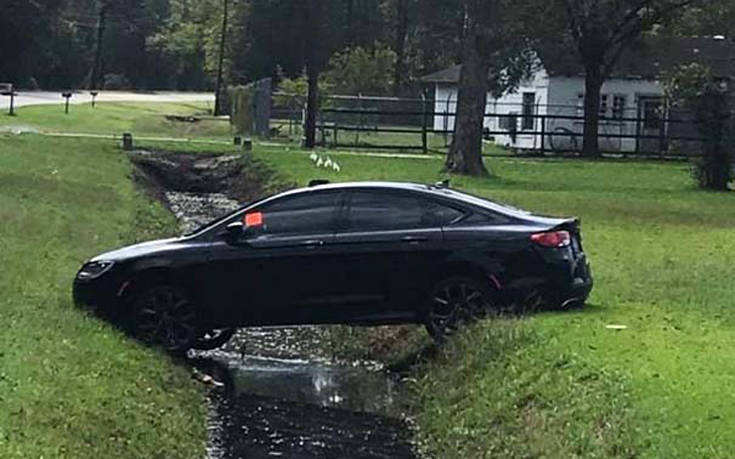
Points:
(46, 97)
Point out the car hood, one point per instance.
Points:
(142, 249)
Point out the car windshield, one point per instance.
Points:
(216, 221)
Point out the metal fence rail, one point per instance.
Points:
(416, 124)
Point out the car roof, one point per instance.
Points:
(439, 191)
(377, 184)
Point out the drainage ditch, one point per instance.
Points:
(274, 391)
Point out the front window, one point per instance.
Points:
(308, 213)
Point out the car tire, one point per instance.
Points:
(164, 316)
(212, 339)
(456, 301)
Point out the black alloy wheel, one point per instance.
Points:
(164, 316)
(454, 302)
(212, 339)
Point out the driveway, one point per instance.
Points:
(26, 98)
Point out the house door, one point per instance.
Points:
(651, 125)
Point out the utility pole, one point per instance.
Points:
(218, 87)
(97, 66)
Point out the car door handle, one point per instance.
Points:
(414, 239)
(312, 243)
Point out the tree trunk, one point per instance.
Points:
(592, 86)
(399, 79)
(97, 65)
(312, 101)
(218, 99)
(312, 42)
(465, 153)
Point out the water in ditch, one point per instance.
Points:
(274, 391)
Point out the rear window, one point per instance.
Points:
(376, 211)
(485, 203)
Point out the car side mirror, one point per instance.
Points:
(233, 232)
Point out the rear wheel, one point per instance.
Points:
(164, 316)
(454, 302)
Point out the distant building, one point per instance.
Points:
(634, 90)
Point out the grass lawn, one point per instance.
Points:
(142, 119)
(71, 386)
(552, 384)
(562, 384)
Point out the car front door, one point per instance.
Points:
(387, 244)
(281, 270)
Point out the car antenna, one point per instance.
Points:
(317, 182)
(442, 184)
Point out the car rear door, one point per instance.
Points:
(386, 246)
(282, 270)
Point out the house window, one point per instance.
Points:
(529, 101)
(603, 105)
(508, 122)
(580, 104)
(618, 111)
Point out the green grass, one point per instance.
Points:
(552, 384)
(142, 119)
(562, 384)
(71, 386)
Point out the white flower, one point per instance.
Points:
(328, 163)
(336, 167)
(319, 162)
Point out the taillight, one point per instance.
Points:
(552, 239)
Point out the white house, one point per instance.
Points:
(632, 99)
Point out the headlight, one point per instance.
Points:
(94, 269)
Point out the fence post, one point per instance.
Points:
(424, 127)
(127, 141)
(12, 97)
(359, 119)
(543, 134)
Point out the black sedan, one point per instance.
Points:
(354, 253)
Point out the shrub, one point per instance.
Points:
(694, 88)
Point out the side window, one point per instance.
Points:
(442, 215)
(302, 214)
(372, 210)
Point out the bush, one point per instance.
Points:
(693, 87)
(362, 71)
(116, 81)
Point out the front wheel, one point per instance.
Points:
(212, 339)
(454, 302)
(164, 316)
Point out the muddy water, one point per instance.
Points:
(278, 396)
(275, 393)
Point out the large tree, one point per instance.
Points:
(600, 31)
(315, 43)
(494, 59)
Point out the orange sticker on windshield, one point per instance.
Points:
(254, 219)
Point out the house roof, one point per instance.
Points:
(450, 75)
(647, 59)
